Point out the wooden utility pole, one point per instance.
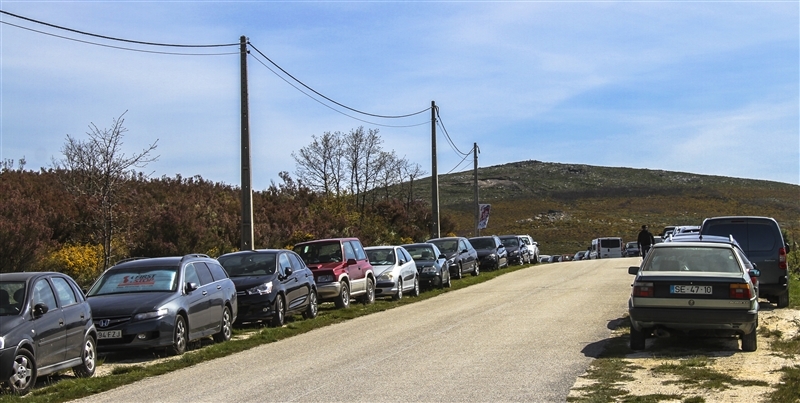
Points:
(475, 184)
(247, 191)
(435, 231)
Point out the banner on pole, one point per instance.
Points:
(484, 217)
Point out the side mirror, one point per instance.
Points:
(443, 256)
(287, 270)
(754, 273)
(786, 246)
(40, 309)
(351, 262)
(191, 287)
(633, 270)
(401, 262)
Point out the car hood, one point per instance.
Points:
(423, 263)
(247, 282)
(485, 252)
(512, 248)
(127, 304)
(380, 269)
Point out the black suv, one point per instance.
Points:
(461, 256)
(45, 327)
(491, 252)
(762, 241)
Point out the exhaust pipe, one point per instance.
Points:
(661, 333)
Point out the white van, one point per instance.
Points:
(604, 248)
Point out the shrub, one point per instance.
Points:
(84, 263)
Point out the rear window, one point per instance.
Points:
(610, 243)
(751, 236)
(698, 259)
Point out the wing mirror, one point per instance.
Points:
(633, 270)
(754, 272)
(191, 287)
(351, 262)
(40, 309)
(443, 256)
(287, 271)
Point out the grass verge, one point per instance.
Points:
(61, 387)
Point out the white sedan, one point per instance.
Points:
(395, 270)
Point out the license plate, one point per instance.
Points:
(109, 334)
(690, 289)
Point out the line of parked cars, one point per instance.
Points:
(48, 324)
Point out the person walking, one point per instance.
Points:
(645, 240)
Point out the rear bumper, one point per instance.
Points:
(735, 321)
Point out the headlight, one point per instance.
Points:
(492, 257)
(429, 269)
(150, 315)
(261, 289)
(386, 276)
(2, 342)
(325, 278)
(451, 261)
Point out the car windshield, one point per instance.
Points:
(381, 257)
(320, 252)
(509, 242)
(526, 240)
(136, 279)
(249, 264)
(632, 245)
(12, 295)
(482, 243)
(421, 252)
(446, 246)
(694, 258)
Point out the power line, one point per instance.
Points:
(111, 38)
(447, 135)
(458, 165)
(118, 47)
(330, 100)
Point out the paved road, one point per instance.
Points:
(524, 336)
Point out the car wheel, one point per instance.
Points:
(225, 326)
(449, 282)
(279, 312)
(750, 341)
(313, 306)
(637, 339)
(415, 291)
(460, 272)
(23, 375)
(88, 359)
(343, 300)
(477, 270)
(399, 294)
(783, 300)
(369, 298)
(180, 336)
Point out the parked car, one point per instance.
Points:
(341, 270)
(763, 243)
(395, 271)
(516, 248)
(461, 256)
(555, 258)
(533, 247)
(163, 302)
(607, 247)
(45, 327)
(631, 249)
(544, 258)
(431, 265)
(491, 252)
(271, 284)
(686, 229)
(579, 255)
(693, 287)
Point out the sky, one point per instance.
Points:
(706, 87)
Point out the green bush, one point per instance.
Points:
(84, 263)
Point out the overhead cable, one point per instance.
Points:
(331, 100)
(447, 135)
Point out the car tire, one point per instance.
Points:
(225, 327)
(343, 300)
(180, 336)
(750, 341)
(477, 270)
(460, 273)
(638, 338)
(415, 291)
(399, 294)
(783, 300)
(312, 309)
(88, 359)
(369, 297)
(279, 312)
(23, 376)
(449, 282)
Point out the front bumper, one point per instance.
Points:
(328, 291)
(253, 308)
(157, 333)
(386, 288)
(430, 280)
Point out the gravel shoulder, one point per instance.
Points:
(722, 356)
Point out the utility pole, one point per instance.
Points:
(475, 184)
(247, 191)
(435, 232)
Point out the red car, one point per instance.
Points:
(341, 270)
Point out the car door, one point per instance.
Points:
(195, 302)
(50, 332)
(354, 271)
(76, 316)
(470, 255)
(304, 280)
(408, 270)
(288, 280)
(213, 293)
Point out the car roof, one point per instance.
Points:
(705, 241)
(25, 276)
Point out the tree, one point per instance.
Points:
(95, 170)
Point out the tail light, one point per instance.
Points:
(782, 258)
(741, 291)
(642, 289)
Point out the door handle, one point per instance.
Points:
(219, 287)
(61, 322)
(205, 292)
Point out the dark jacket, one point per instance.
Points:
(645, 238)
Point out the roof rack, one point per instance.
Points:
(130, 259)
(191, 255)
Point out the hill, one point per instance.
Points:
(564, 206)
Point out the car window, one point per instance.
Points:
(421, 252)
(739, 232)
(349, 253)
(360, 253)
(64, 292)
(217, 271)
(203, 273)
(510, 242)
(693, 259)
(297, 264)
(43, 294)
(320, 252)
(382, 256)
(483, 243)
(609, 243)
(12, 296)
(761, 237)
(249, 264)
(283, 263)
(136, 279)
(406, 255)
(191, 275)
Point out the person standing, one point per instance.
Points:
(645, 240)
